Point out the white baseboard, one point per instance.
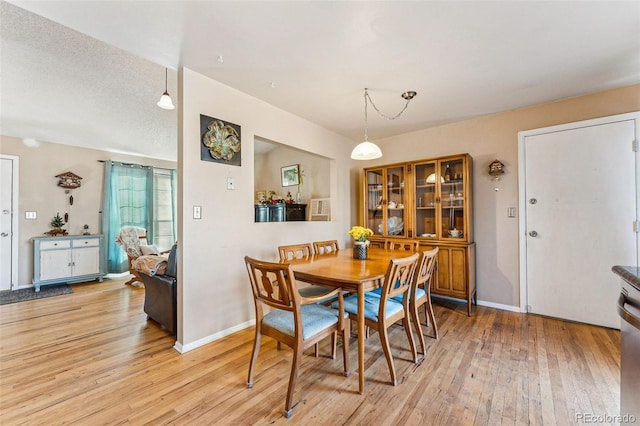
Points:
(499, 306)
(483, 303)
(212, 338)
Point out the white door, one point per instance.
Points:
(581, 203)
(8, 223)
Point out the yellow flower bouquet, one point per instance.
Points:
(360, 233)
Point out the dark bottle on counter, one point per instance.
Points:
(447, 174)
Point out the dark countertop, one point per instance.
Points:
(630, 274)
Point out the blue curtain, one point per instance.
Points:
(127, 201)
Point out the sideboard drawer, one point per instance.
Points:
(55, 244)
(86, 242)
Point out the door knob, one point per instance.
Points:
(533, 201)
(4, 234)
(533, 234)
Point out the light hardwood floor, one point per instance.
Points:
(92, 358)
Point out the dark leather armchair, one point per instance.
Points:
(160, 299)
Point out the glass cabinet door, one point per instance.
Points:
(375, 197)
(395, 201)
(425, 200)
(452, 196)
(385, 202)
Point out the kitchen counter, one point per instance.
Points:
(629, 311)
(630, 274)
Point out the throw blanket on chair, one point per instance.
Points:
(129, 239)
(150, 264)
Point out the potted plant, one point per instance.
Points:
(361, 244)
(56, 226)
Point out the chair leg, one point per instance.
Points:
(334, 344)
(346, 335)
(412, 343)
(254, 357)
(428, 310)
(384, 341)
(415, 318)
(295, 366)
(315, 350)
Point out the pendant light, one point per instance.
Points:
(165, 100)
(368, 150)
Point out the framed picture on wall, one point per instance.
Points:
(290, 175)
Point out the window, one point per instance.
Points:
(164, 208)
(141, 196)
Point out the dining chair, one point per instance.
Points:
(382, 309)
(296, 321)
(409, 245)
(295, 251)
(299, 251)
(325, 247)
(420, 294)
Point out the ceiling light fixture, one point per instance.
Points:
(368, 150)
(165, 100)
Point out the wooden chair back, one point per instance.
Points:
(295, 251)
(377, 243)
(398, 279)
(325, 247)
(425, 268)
(271, 284)
(406, 245)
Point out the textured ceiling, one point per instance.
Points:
(463, 58)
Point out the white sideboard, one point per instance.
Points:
(71, 258)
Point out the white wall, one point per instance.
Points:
(316, 179)
(214, 294)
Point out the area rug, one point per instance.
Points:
(21, 295)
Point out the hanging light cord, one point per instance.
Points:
(366, 96)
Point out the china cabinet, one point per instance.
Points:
(430, 201)
(66, 259)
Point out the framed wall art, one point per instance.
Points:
(290, 175)
(220, 141)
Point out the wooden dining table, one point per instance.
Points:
(340, 270)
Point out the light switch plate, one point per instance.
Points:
(511, 212)
(230, 183)
(197, 212)
(30, 215)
